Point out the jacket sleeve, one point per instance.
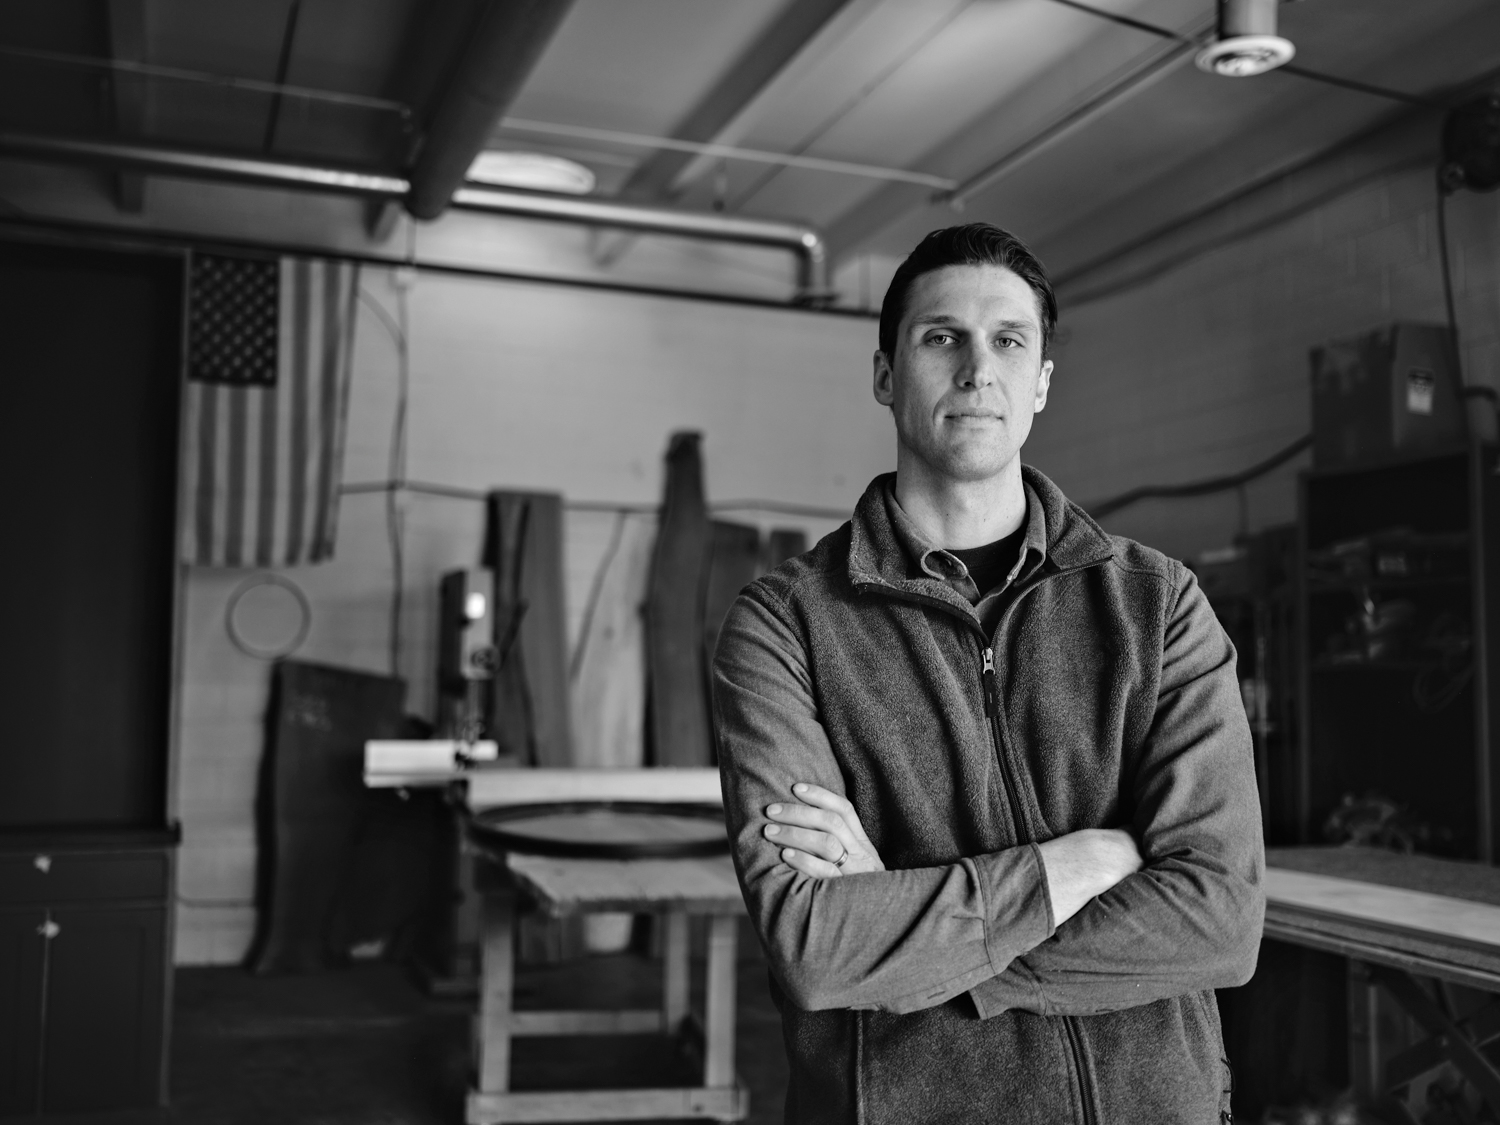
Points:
(1190, 919)
(895, 940)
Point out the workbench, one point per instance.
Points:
(675, 890)
(1405, 923)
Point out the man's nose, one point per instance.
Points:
(978, 367)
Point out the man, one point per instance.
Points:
(986, 770)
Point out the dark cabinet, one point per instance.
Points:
(22, 991)
(1399, 605)
(89, 412)
(83, 976)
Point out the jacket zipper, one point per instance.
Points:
(1076, 1047)
(992, 711)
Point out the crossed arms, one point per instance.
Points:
(1091, 922)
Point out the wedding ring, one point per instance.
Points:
(841, 859)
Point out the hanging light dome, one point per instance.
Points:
(1247, 43)
(535, 171)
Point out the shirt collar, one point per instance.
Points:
(934, 562)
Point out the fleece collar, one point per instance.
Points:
(877, 556)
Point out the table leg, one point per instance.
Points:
(718, 1048)
(1364, 1032)
(1471, 1062)
(674, 967)
(497, 988)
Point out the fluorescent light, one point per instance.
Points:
(532, 170)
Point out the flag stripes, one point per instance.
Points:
(263, 461)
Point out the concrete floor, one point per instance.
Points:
(365, 1046)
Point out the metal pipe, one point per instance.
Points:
(801, 240)
(201, 165)
(504, 45)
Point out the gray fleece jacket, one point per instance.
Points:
(940, 990)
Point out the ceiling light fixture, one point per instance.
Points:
(1247, 43)
(532, 170)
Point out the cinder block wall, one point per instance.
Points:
(1204, 370)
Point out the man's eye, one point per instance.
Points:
(939, 338)
(1007, 342)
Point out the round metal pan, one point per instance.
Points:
(603, 829)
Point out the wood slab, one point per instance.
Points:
(609, 662)
(587, 886)
(1455, 878)
(1440, 915)
(1430, 916)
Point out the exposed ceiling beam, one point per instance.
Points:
(1405, 139)
(787, 35)
(505, 41)
(127, 43)
(727, 152)
(1053, 112)
(144, 70)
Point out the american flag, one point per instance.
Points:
(269, 348)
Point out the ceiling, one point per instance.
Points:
(1082, 134)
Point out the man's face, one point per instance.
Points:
(967, 374)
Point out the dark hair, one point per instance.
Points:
(976, 244)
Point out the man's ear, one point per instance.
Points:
(1043, 382)
(885, 380)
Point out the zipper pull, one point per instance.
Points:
(991, 685)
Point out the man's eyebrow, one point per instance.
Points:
(943, 319)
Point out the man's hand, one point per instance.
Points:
(816, 829)
(820, 826)
(1085, 864)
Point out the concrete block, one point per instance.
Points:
(1396, 244)
(1416, 291)
(1361, 210)
(1322, 271)
(1411, 192)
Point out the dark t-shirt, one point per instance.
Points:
(990, 564)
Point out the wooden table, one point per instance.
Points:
(1404, 922)
(676, 890)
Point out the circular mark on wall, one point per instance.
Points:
(268, 617)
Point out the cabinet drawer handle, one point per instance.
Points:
(49, 929)
(42, 863)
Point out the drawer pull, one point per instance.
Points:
(42, 863)
(49, 929)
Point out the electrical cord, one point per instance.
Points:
(1442, 233)
(1201, 487)
(396, 485)
(479, 496)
